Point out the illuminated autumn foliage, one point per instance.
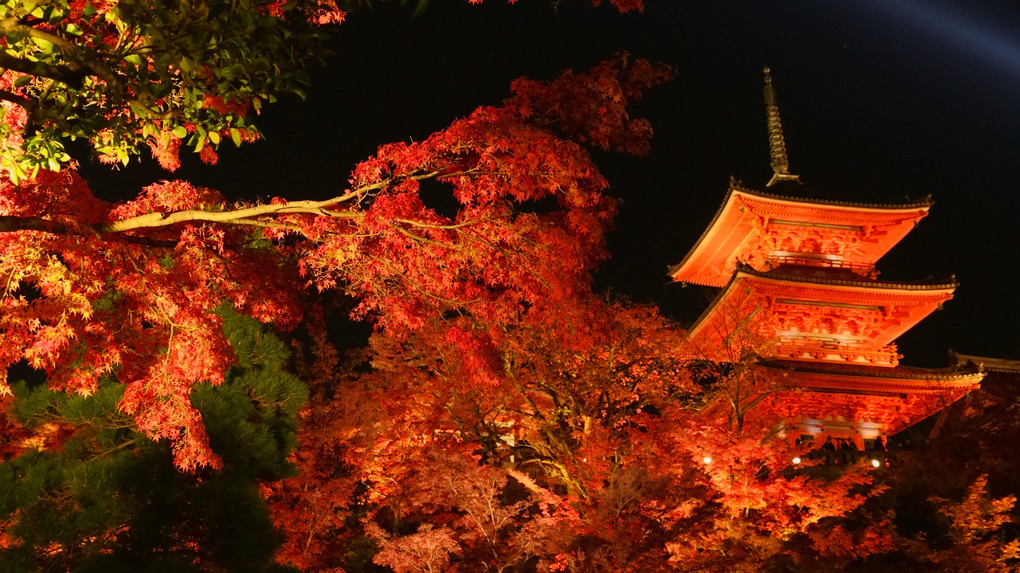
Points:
(571, 445)
(93, 287)
(503, 417)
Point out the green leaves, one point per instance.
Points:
(91, 493)
(119, 75)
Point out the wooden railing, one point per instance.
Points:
(863, 269)
(834, 352)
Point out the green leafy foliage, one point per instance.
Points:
(92, 493)
(130, 74)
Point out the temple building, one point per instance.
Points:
(803, 320)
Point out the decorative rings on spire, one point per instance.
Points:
(777, 143)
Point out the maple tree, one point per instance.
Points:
(571, 442)
(91, 288)
(120, 305)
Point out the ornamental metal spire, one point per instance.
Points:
(777, 145)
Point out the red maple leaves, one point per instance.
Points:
(80, 306)
(568, 440)
(131, 290)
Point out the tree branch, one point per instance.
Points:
(63, 74)
(72, 74)
(150, 220)
(13, 26)
(244, 216)
(27, 104)
(9, 223)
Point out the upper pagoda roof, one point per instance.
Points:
(755, 227)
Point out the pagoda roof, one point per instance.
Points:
(907, 377)
(887, 400)
(843, 277)
(802, 193)
(872, 290)
(844, 400)
(747, 217)
(885, 310)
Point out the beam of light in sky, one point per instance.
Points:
(977, 37)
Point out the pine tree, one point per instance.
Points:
(89, 492)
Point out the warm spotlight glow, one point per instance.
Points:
(796, 460)
(707, 459)
(875, 463)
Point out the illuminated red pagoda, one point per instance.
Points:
(804, 316)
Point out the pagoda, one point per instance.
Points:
(802, 318)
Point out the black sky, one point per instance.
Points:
(880, 100)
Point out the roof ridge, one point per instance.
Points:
(906, 372)
(925, 201)
(773, 274)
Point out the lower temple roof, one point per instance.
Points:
(965, 372)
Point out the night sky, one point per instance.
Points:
(880, 100)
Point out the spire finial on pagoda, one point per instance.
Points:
(777, 144)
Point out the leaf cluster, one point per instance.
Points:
(130, 74)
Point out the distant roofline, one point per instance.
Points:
(986, 363)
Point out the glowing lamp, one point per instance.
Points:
(796, 460)
(875, 463)
(707, 459)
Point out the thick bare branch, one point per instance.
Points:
(240, 216)
(27, 104)
(10, 224)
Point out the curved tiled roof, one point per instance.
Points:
(782, 273)
(926, 201)
(898, 372)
